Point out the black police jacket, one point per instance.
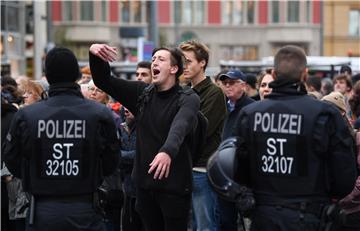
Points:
(62, 145)
(299, 148)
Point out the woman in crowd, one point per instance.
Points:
(112, 184)
(31, 91)
(263, 84)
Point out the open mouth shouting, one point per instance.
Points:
(156, 71)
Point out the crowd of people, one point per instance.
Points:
(85, 150)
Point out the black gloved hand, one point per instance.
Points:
(245, 202)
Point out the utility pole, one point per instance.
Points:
(37, 44)
(154, 30)
(49, 26)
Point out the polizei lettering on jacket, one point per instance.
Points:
(278, 123)
(64, 137)
(61, 129)
(277, 136)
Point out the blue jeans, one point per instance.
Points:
(204, 204)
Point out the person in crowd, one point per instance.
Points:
(338, 100)
(97, 94)
(354, 103)
(13, 200)
(234, 85)
(111, 184)
(217, 77)
(85, 75)
(346, 69)
(264, 80)
(251, 89)
(212, 105)
(343, 84)
(32, 91)
(10, 88)
(143, 72)
(350, 208)
(18, 202)
(84, 81)
(355, 78)
(327, 86)
(162, 169)
(84, 88)
(313, 86)
(291, 178)
(130, 219)
(60, 152)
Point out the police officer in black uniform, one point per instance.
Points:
(61, 147)
(299, 151)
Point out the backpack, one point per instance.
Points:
(197, 137)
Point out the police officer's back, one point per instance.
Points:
(61, 147)
(299, 150)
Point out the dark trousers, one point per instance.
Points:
(272, 218)
(228, 215)
(112, 219)
(163, 211)
(69, 216)
(130, 219)
(349, 222)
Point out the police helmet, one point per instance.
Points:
(221, 169)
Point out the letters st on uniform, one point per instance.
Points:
(62, 142)
(279, 143)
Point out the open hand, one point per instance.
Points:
(161, 163)
(103, 51)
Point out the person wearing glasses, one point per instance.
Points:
(234, 86)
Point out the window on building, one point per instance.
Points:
(293, 9)
(354, 23)
(238, 13)
(12, 15)
(238, 53)
(136, 10)
(199, 9)
(86, 10)
(227, 12)
(233, 12)
(187, 9)
(125, 11)
(29, 18)
(192, 12)
(133, 11)
(67, 11)
(104, 11)
(250, 12)
(308, 11)
(177, 12)
(275, 16)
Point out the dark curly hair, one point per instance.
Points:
(354, 100)
(11, 94)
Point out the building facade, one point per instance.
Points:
(12, 46)
(234, 29)
(342, 28)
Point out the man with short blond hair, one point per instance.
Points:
(213, 107)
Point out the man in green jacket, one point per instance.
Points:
(213, 106)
